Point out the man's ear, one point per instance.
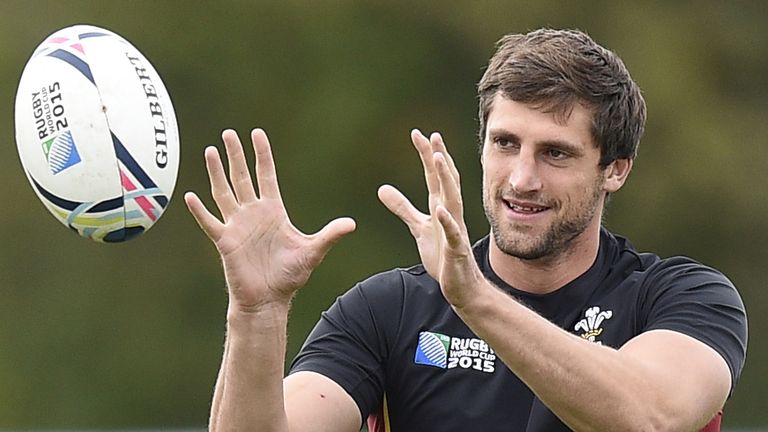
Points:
(616, 174)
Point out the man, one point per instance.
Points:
(550, 323)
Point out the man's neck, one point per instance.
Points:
(550, 273)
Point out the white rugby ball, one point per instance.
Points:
(97, 134)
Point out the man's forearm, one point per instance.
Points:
(218, 391)
(249, 389)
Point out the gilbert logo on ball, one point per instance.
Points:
(96, 133)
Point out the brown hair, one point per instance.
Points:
(555, 69)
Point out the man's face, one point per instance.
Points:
(542, 185)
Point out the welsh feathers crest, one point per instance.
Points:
(590, 325)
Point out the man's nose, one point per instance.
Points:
(524, 176)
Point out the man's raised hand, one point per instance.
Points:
(266, 259)
(441, 236)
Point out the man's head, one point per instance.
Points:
(560, 121)
(553, 70)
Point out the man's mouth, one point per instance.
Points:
(525, 208)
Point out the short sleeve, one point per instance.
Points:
(700, 302)
(351, 341)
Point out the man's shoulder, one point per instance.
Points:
(398, 282)
(396, 276)
(651, 267)
(660, 271)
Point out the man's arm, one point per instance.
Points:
(317, 403)
(248, 396)
(266, 260)
(661, 380)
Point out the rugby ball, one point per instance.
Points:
(97, 134)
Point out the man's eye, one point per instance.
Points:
(557, 154)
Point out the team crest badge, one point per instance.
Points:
(591, 325)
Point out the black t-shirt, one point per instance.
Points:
(393, 342)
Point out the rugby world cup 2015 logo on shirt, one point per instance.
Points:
(447, 352)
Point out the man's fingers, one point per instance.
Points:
(424, 147)
(449, 187)
(238, 167)
(210, 225)
(220, 189)
(266, 175)
(323, 240)
(438, 146)
(399, 205)
(451, 229)
(332, 232)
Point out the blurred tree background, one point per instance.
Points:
(130, 335)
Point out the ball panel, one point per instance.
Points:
(134, 94)
(62, 134)
(122, 234)
(89, 219)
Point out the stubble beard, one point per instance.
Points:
(521, 242)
